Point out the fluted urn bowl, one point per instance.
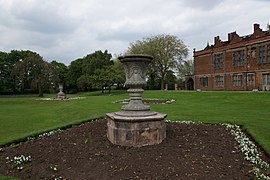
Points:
(135, 69)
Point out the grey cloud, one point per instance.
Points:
(202, 4)
(41, 18)
(66, 30)
(119, 36)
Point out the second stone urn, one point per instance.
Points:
(136, 125)
(61, 95)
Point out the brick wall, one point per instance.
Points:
(204, 62)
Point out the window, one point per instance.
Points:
(218, 61)
(237, 80)
(264, 54)
(219, 80)
(268, 54)
(250, 79)
(266, 79)
(239, 58)
(204, 81)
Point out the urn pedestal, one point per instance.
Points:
(61, 95)
(136, 125)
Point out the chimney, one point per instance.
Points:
(256, 27)
(217, 39)
(233, 35)
(229, 37)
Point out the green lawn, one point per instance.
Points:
(22, 117)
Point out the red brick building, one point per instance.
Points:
(240, 63)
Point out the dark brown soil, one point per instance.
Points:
(197, 151)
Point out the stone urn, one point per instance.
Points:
(61, 95)
(136, 125)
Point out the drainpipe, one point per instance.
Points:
(246, 56)
(195, 73)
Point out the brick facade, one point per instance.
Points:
(241, 63)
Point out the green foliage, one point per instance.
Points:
(168, 52)
(5, 78)
(7, 62)
(94, 61)
(23, 71)
(170, 79)
(153, 81)
(34, 73)
(119, 73)
(74, 72)
(61, 71)
(185, 68)
(84, 83)
(81, 69)
(108, 76)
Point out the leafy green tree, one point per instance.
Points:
(33, 72)
(104, 78)
(119, 73)
(153, 81)
(109, 76)
(61, 73)
(170, 79)
(94, 61)
(5, 78)
(185, 68)
(7, 61)
(74, 73)
(81, 69)
(168, 52)
(84, 83)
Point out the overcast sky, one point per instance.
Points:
(65, 30)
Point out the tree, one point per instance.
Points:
(84, 83)
(170, 80)
(34, 72)
(185, 68)
(119, 73)
(61, 72)
(7, 62)
(5, 78)
(109, 76)
(103, 78)
(168, 52)
(85, 67)
(96, 60)
(74, 72)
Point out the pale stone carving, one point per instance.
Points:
(61, 95)
(136, 125)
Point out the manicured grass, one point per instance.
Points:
(7, 178)
(22, 117)
(249, 109)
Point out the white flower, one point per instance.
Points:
(249, 149)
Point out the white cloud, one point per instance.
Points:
(66, 30)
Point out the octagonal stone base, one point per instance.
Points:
(136, 131)
(61, 96)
